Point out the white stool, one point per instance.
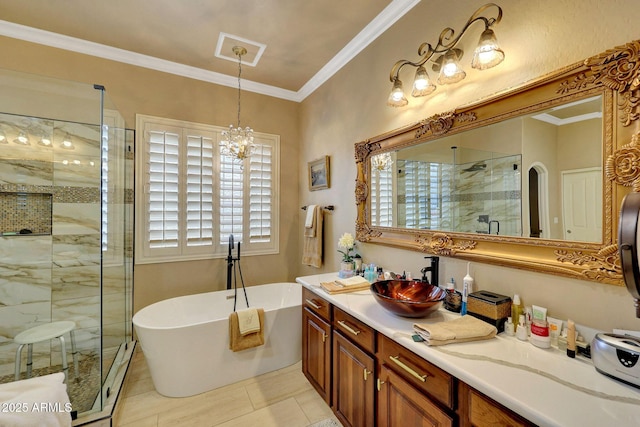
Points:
(45, 332)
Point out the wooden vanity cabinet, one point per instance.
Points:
(478, 410)
(412, 391)
(400, 404)
(316, 343)
(370, 380)
(353, 383)
(353, 366)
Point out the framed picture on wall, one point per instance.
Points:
(319, 175)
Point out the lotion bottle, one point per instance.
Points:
(516, 308)
(509, 327)
(467, 288)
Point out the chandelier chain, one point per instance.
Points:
(239, 83)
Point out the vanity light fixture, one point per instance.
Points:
(382, 162)
(22, 139)
(236, 141)
(445, 58)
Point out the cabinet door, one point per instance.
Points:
(353, 383)
(399, 404)
(316, 353)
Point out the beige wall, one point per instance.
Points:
(137, 90)
(537, 37)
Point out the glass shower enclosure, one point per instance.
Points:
(66, 231)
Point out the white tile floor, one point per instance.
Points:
(283, 398)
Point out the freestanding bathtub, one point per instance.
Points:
(185, 340)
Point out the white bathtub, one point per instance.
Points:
(185, 340)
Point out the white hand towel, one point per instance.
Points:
(248, 321)
(311, 210)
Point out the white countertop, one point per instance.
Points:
(542, 385)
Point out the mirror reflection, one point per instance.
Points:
(536, 176)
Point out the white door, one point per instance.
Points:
(582, 205)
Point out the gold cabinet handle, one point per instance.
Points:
(313, 304)
(396, 360)
(347, 327)
(324, 337)
(379, 384)
(366, 374)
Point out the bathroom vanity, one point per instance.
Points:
(364, 363)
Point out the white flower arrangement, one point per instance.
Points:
(348, 243)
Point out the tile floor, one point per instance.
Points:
(282, 398)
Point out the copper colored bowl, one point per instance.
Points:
(408, 298)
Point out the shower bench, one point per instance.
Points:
(46, 332)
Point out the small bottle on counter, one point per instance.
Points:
(521, 330)
(516, 308)
(562, 340)
(509, 327)
(453, 298)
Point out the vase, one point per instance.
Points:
(346, 266)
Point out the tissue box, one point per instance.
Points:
(490, 307)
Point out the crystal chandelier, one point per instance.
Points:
(236, 141)
(382, 162)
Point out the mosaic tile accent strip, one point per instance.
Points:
(487, 196)
(61, 194)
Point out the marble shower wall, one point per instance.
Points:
(489, 193)
(56, 276)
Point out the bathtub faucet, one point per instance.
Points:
(231, 260)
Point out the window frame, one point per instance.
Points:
(216, 249)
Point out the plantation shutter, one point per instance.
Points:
(382, 197)
(199, 192)
(162, 195)
(231, 200)
(260, 194)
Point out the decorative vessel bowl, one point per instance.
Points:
(408, 298)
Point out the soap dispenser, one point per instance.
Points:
(467, 288)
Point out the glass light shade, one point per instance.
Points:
(237, 142)
(67, 144)
(422, 84)
(450, 71)
(396, 97)
(488, 54)
(45, 141)
(22, 139)
(3, 138)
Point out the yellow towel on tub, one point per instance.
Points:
(248, 321)
(237, 341)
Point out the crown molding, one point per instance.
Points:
(394, 11)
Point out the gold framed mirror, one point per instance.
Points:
(447, 184)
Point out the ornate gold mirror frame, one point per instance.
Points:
(614, 74)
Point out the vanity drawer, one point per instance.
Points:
(358, 332)
(417, 371)
(316, 304)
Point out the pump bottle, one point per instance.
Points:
(467, 288)
(516, 308)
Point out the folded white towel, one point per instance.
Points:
(248, 321)
(352, 281)
(311, 210)
(39, 401)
